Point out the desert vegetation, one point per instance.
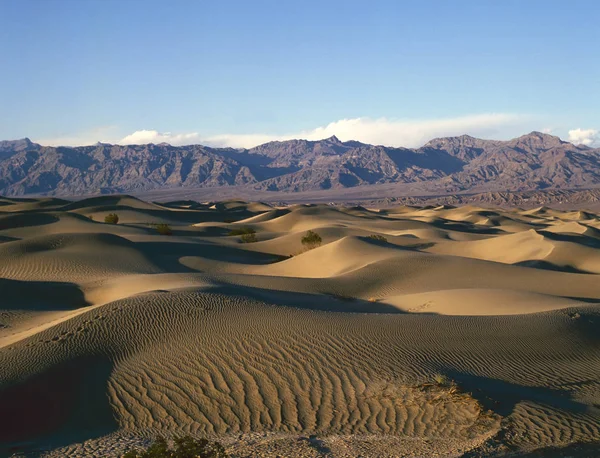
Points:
(111, 218)
(164, 229)
(246, 234)
(379, 238)
(183, 447)
(311, 240)
(249, 238)
(241, 231)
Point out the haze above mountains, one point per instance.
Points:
(444, 165)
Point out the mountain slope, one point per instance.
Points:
(533, 161)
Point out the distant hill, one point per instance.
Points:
(445, 165)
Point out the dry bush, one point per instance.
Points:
(111, 218)
(249, 238)
(242, 231)
(164, 229)
(441, 379)
(311, 240)
(185, 447)
(379, 238)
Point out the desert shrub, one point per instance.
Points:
(111, 218)
(311, 240)
(164, 229)
(242, 231)
(379, 238)
(249, 238)
(441, 379)
(184, 447)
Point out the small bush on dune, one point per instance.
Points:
(441, 380)
(164, 229)
(242, 231)
(185, 447)
(111, 218)
(249, 238)
(311, 240)
(379, 238)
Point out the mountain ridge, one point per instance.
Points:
(446, 164)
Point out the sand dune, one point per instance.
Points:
(467, 331)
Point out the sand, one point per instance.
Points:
(466, 332)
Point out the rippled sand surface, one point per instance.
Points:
(465, 332)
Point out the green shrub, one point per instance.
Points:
(164, 229)
(111, 218)
(311, 240)
(242, 231)
(185, 447)
(249, 238)
(379, 238)
(441, 379)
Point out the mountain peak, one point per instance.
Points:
(539, 139)
(16, 144)
(538, 134)
(333, 139)
(461, 140)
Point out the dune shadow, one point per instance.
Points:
(181, 216)
(61, 406)
(40, 295)
(25, 219)
(546, 265)
(326, 301)
(167, 254)
(578, 239)
(458, 226)
(501, 396)
(577, 450)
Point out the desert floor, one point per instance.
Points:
(466, 332)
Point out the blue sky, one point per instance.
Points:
(243, 72)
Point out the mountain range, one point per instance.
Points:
(443, 165)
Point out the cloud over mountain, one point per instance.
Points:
(587, 137)
(143, 137)
(379, 131)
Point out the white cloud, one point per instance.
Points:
(381, 131)
(588, 137)
(142, 137)
(390, 132)
(104, 134)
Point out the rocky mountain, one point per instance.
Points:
(533, 161)
(454, 164)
